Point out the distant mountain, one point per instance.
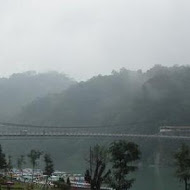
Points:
(22, 88)
(138, 101)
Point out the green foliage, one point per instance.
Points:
(159, 96)
(22, 88)
(49, 168)
(34, 155)
(126, 101)
(3, 163)
(182, 161)
(123, 154)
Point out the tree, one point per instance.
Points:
(49, 168)
(68, 182)
(3, 163)
(97, 173)
(123, 154)
(34, 155)
(182, 161)
(87, 176)
(20, 162)
(9, 164)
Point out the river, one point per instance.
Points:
(154, 178)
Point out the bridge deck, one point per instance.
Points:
(78, 134)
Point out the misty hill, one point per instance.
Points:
(138, 101)
(22, 88)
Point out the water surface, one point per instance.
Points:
(154, 178)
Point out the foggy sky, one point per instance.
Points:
(83, 38)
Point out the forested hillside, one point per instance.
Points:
(141, 101)
(22, 88)
(125, 101)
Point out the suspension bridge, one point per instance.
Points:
(23, 130)
(78, 134)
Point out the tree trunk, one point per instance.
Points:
(92, 185)
(46, 183)
(186, 184)
(32, 174)
(94, 181)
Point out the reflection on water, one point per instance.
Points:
(154, 178)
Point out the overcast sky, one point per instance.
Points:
(83, 38)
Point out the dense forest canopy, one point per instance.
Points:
(156, 97)
(22, 88)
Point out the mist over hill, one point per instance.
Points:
(126, 101)
(21, 89)
(149, 99)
